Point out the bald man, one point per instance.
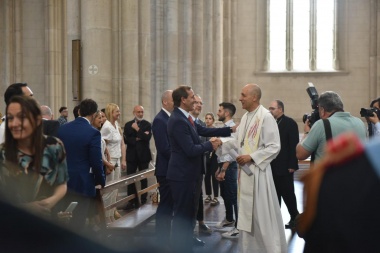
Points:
(257, 142)
(137, 134)
(50, 126)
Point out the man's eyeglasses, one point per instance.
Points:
(272, 108)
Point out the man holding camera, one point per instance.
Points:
(330, 108)
(372, 117)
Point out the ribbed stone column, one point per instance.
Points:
(146, 90)
(55, 52)
(96, 33)
(130, 65)
(12, 43)
(171, 42)
(73, 33)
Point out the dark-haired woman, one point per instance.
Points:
(211, 167)
(34, 172)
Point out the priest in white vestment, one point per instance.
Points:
(257, 141)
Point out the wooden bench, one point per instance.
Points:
(133, 219)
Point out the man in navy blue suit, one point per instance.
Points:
(186, 164)
(165, 207)
(84, 161)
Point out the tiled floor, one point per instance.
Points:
(216, 243)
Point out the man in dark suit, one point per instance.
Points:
(164, 212)
(137, 134)
(84, 161)
(50, 126)
(186, 165)
(202, 226)
(286, 162)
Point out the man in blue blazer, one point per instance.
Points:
(165, 207)
(186, 165)
(84, 160)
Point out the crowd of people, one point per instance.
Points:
(251, 164)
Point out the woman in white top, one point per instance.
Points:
(114, 140)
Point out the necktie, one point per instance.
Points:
(191, 120)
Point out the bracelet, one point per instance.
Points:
(306, 132)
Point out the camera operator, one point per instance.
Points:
(331, 108)
(374, 121)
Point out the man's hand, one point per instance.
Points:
(374, 119)
(291, 170)
(243, 159)
(306, 127)
(216, 142)
(220, 174)
(135, 126)
(234, 127)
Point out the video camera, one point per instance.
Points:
(314, 115)
(368, 112)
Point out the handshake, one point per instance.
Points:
(216, 142)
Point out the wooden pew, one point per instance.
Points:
(133, 219)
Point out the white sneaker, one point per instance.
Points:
(225, 224)
(232, 234)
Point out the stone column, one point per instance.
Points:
(55, 52)
(145, 58)
(12, 47)
(130, 65)
(73, 33)
(208, 56)
(171, 42)
(96, 31)
(197, 39)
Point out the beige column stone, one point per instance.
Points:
(116, 95)
(145, 58)
(220, 73)
(208, 57)
(55, 54)
(96, 31)
(73, 33)
(171, 42)
(158, 54)
(185, 43)
(12, 27)
(130, 65)
(197, 39)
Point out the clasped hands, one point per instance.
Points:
(216, 142)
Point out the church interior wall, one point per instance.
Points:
(145, 47)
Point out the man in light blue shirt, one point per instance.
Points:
(331, 108)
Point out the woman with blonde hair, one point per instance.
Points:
(115, 144)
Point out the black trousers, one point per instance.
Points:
(200, 212)
(185, 199)
(285, 190)
(164, 214)
(132, 167)
(210, 179)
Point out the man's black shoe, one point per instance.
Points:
(291, 224)
(198, 242)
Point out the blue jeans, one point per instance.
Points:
(228, 191)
